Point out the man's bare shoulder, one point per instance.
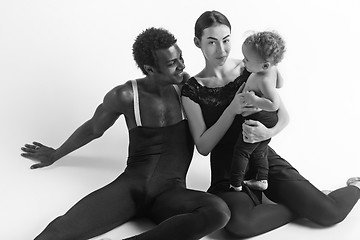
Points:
(186, 77)
(120, 97)
(122, 92)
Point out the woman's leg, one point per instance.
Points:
(184, 214)
(248, 219)
(308, 202)
(95, 214)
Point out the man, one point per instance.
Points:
(160, 152)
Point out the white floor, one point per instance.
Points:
(32, 198)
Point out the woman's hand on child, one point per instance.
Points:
(254, 131)
(239, 105)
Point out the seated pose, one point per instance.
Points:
(262, 52)
(160, 152)
(212, 100)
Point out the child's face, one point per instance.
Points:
(253, 62)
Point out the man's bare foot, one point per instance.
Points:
(257, 184)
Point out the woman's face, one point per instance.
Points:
(215, 44)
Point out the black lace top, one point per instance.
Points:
(213, 102)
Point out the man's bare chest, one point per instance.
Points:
(160, 112)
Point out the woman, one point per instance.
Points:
(213, 103)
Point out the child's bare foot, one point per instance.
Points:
(237, 189)
(354, 181)
(257, 184)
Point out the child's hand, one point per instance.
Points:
(249, 98)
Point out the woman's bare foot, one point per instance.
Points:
(354, 181)
(257, 184)
(326, 192)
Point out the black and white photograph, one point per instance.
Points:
(184, 120)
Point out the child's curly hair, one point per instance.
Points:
(269, 45)
(147, 42)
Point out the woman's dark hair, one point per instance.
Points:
(207, 19)
(147, 42)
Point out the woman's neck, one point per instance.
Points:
(217, 71)
(219, 76)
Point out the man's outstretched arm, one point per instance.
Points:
(90, 130)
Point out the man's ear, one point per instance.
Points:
(149, 69)
(266, 65)
(197, 42)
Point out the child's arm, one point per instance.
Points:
(255, 131)
(266, 84)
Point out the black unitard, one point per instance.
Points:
(296, 196)
(153, 186)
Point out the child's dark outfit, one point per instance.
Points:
(255, 152)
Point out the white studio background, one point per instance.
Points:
(59, 58)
